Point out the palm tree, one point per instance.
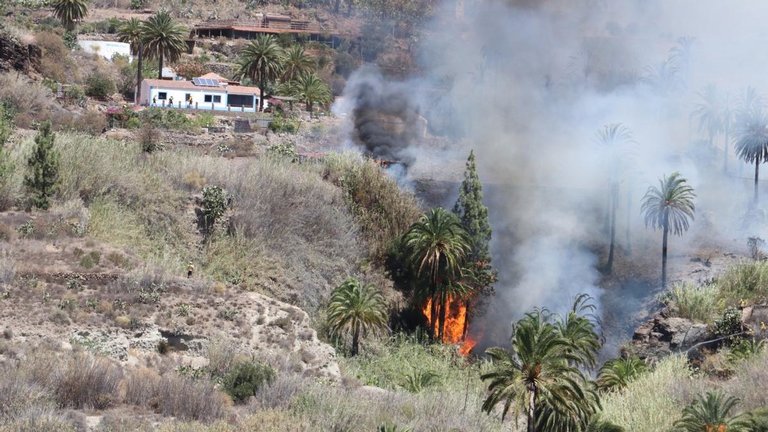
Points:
(711, 414)
(311, 89)
(748, 102)
(617, 373)
(539, 367)
(163, 39)
(436, 247)
(296, 63)
(669, 206)
(262, 61)
(69, 12)
(614, 138)
(357, 309)
(709, 112)
(752, 140)
(578, 328)
(130, 32)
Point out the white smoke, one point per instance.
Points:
(527, 84)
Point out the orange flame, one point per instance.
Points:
(455, 322)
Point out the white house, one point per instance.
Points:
(106, 49)
(208, 92)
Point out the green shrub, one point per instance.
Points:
(165, 118)
(694, 303)
(745, 349)
(99, 86)
(90, 260)
(75, 93)
(205, 120)
(245, 379)
(137, 4)
(280, 123)
(729, 324)
(283, 151)
(214, 205)
(133, 123)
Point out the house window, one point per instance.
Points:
(162, 95)
(213, 98)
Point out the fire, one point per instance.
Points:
(455, 324)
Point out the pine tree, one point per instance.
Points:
(474, 214)
(43, 165)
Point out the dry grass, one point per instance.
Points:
(287, 222)
(174, 395)
(648, 403)
(26, 98)
(698, 303)
(383, 210)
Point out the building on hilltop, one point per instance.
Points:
(210, 92)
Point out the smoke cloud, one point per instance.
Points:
(527, 85)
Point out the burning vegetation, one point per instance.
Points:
(453, 328)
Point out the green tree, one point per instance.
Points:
(668, 207)
(617, 373)
(711, 413)
(539, 376)
(436, 246)
(473, 214)
(356, 309)
(163, 39)
(310, 89)
(131, 32)
(296, 63)
(69, 12)
(614, 140)
(261, 61)
(43, 168)
(752, 140)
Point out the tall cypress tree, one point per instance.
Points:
(473, 213)
(43, 165)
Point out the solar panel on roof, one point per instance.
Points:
(206, 82)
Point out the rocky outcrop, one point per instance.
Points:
(282, 333)
(662, 335)
(14, 55)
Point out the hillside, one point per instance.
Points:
(384, 216)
